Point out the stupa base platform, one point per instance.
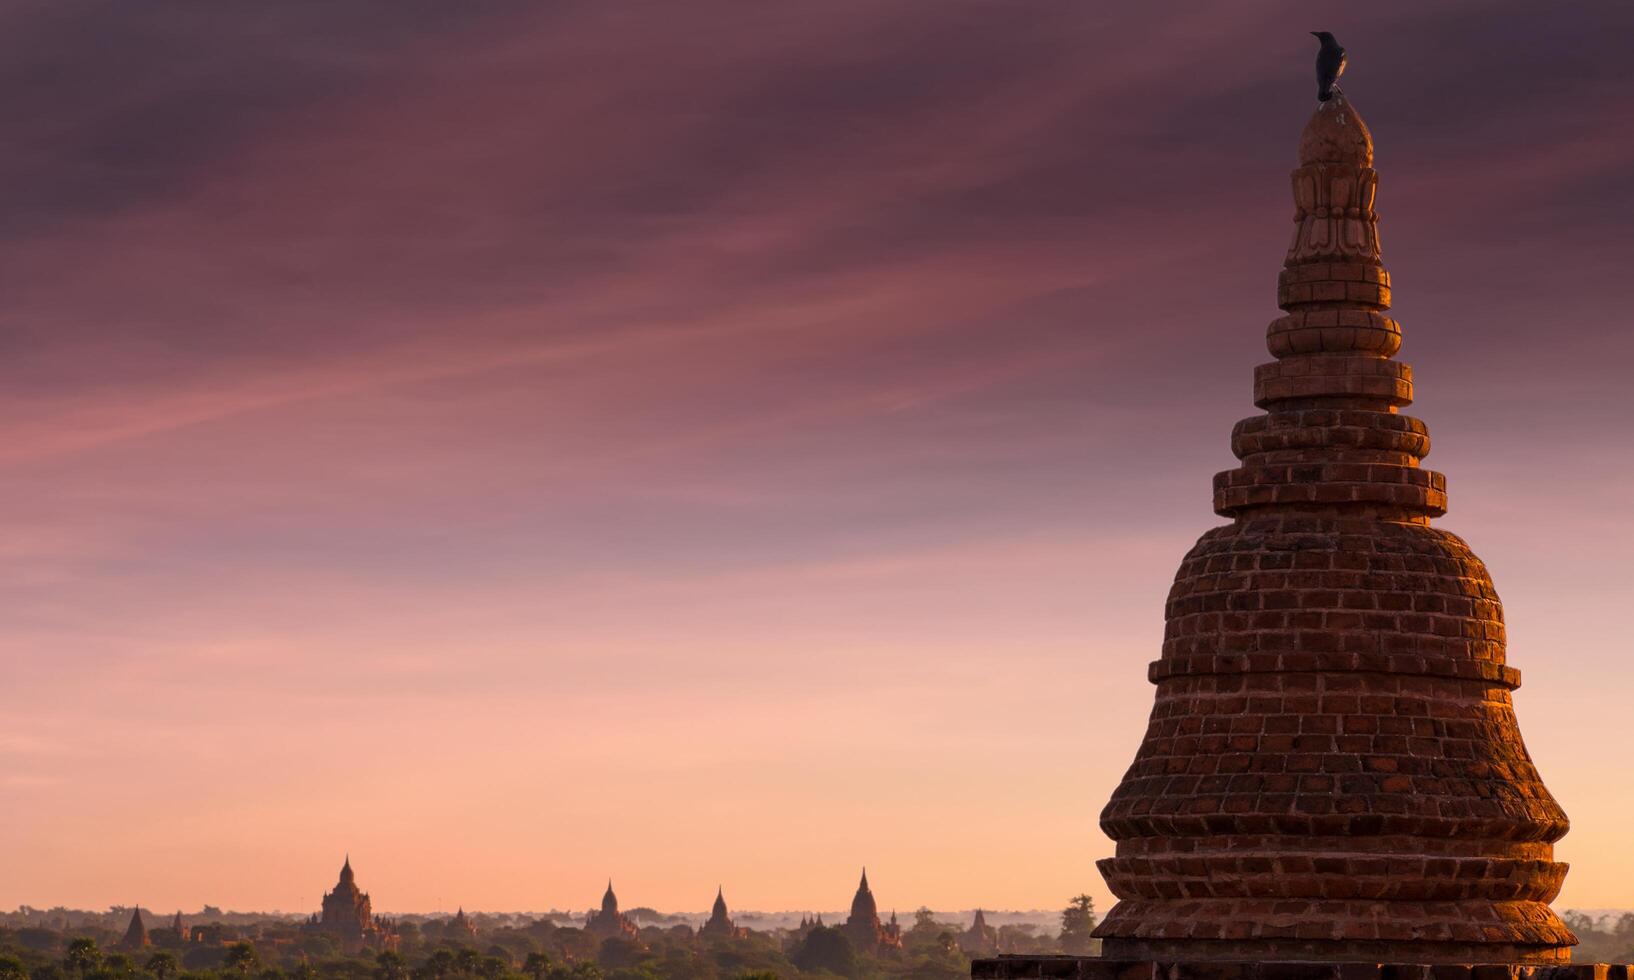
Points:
(1028, 967)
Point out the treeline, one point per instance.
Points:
(543, 950)
(1601, 939)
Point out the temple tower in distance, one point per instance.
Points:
(136, 934)
(349, 917)
(719, 925)
(608, 922)
(863, 926)
(1332, 769)
(980, 939)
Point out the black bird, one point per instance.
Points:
(1330, 64)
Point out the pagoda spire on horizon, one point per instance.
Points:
(136, 934)
(1332, 770)
(863, 925)
(720, 921)
(348, 914)
(608, 920)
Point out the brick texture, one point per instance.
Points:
(1332, 771)
(1028, 967)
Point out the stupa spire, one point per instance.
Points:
(136, 934)
(1332, 770)
(1332, 441)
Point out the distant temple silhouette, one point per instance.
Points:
(863, 927)
(136, 936)
(608, 921)
(980, 939)
(720, 925)
(808, 923)
(460, 924)
(348, 917)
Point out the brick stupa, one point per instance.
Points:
(1332, 770)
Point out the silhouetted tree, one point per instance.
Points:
(825, 948)
(1077, 922)
(537, 965)
(38, 940)
(684, 962)
(202, 957)
(408, 935)
(440, 963)
(242, 958)
(582, 970)
(617, 952)
(390, 965)
(1625, 926)
(83, 956)
(162, 964)
(12, 968)
(940, 964)
(1578, 922)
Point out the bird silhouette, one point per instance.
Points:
(1330, 64)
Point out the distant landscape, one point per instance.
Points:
(127, 943)
(115, 917)
(216, 944)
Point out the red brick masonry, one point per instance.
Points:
(1096, 968)
(1332, 770)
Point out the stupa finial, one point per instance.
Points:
(1336, 134)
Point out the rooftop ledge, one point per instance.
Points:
(1027, 967)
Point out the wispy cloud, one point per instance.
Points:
(572, 403)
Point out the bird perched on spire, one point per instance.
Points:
(1330, 64)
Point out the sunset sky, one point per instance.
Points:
(731, 443)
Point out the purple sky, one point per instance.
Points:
(730, 441)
